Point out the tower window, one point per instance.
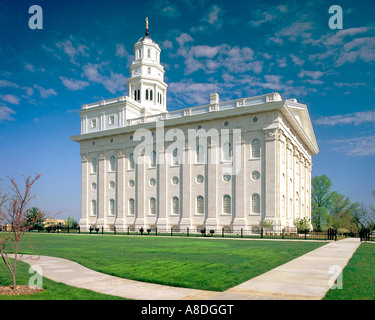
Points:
(94, 164)
(139, 54)
(149, 70)
(148, 53)
(146, 94)
(131, 161)
(151, 98)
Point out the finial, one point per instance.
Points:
(146, 33)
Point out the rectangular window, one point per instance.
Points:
(111, 120)
(93, 123)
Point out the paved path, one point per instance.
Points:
(306, 277)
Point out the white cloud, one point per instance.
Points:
(312, 74)
(73, 84)
(293, 32)
(45, 93)
(6, 113)
(73, 51)
(6, 83)
(361, 146)
(10, 98)
(166, 8)
(114, 82)
(355, 118)
(296, 60)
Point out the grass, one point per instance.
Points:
(358, 276)
(208, 264)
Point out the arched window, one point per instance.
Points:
(283, 206)
(112, 163)
(152, 206)
(227, 204)
(255, 203)
(139, 94)
(200, 154)
(151, 98)
(131, 206)
(139, 54)
(255, 148)
(148, 53)
(94, 164)
(131, 161)
(153, 159)
(296, 213)
(93, 207)
(111, 207)
(175, 205)
(146, 94)
(149, 70)
(200, 205)
(227, 151)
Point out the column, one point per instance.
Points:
(102, 184)
(140, 205)
(120, 190)
(185, 192)
(239, 185)
(162, 191)
(84, 222)
(212, 209)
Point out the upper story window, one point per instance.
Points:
(175, 157)
(149, 70)
(94, 165)
(200, 154)
(255, 148)
(148, 53)
(93, 123)
(153, 159)
(227, 151)
(111, 120)
(131, 162)
(139, 53)
(112, 163)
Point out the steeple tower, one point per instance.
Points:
(146, 84)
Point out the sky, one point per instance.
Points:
(235, 48)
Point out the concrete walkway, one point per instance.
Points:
(307, 277)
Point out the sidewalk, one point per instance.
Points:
(306, 277)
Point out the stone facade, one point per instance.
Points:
(223, 165)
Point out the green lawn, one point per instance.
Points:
(209, 264)
(358, 278)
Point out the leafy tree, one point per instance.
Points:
(302, 224)
(321, 198)
(341, 211)
(35, 219)
(71, 223)
(266, 223)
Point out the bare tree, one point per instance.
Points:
(14, 212)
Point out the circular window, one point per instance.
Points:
(226, 177)
(131, 183)
(93, 186)
(111, 184)
(152, 182)
(93, 143)
(255, 175)
(255, 119)
(175, 180)
(200, 179)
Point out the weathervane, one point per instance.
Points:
(146, 33)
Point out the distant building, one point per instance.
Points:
(222, 165)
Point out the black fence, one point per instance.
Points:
(255, 233)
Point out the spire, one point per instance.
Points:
(146, 33)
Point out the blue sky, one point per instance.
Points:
(236, 48)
